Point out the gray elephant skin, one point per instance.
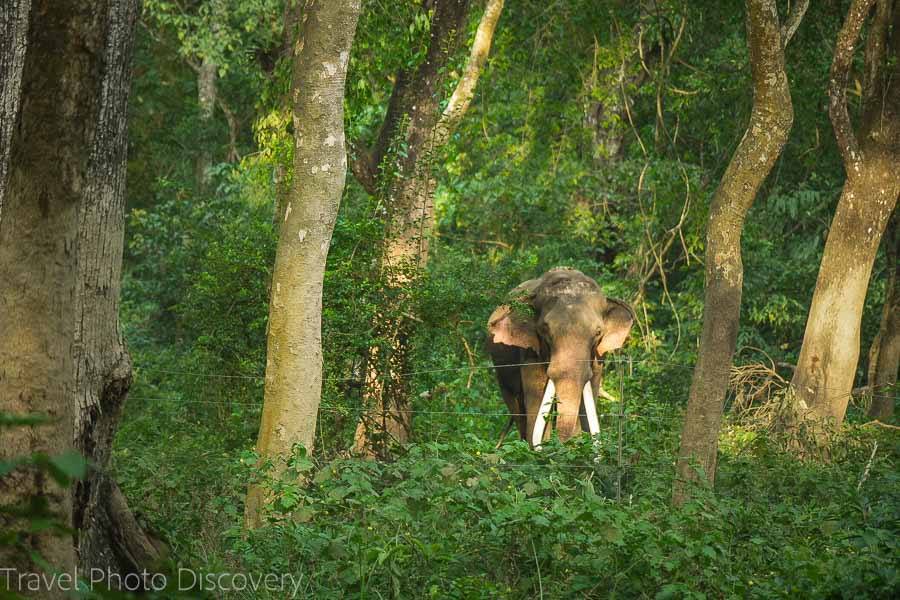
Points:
(551, 337)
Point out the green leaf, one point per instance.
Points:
(9, 466)
(830, 527)
(62, 468)
(540, 520)
(22, 420)
(72, 464)
(612, 534)
(304, 514)
(324, 475)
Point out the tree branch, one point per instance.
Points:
(233, 129)
(414, 93)
(396, 108)
(290, 33)
(792, 22)
(465, 88)
(837, 87)
(876, 45)
(362, 167)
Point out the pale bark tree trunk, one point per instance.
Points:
(207, 94)
(767, 132)
(884, 355)
(826, 369)
(413, 115)
(61, 352)
(207, 98)
(293, 384)
(13, 29)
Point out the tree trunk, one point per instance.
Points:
(294, 349)
(415, 102)
(826, 369)
(608, 104)
(49, 157)
(60, 262)
(884, 355)
(109, 537)
(770, 124)
(207, 94)
(13, 29)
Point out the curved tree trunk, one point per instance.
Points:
(414, 116)
(294, 348)
(770, 124)
(826, 369)
(884, 356)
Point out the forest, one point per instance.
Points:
(449, 299)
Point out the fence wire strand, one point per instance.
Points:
(410, 374)
(609, 446)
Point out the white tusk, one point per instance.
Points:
(541, 422)
(591, 409)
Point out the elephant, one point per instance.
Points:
(550, 339)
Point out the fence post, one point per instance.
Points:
(621, 429)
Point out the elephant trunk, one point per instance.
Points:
(569, 381)
(569, 393)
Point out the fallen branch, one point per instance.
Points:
(865, 474)
(878, 423)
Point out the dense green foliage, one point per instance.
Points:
(520, 190)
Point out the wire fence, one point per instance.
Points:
(611, 447)
(411, 374)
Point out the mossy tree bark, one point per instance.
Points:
(207, 92)
(823, 381)
(207, 97)
(770, 123)
(884, 355)
(61, 351)
(415, 122)
(290, 36)
(293, 384)
(608, 88)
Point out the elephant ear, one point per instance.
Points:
(506, 326)
(617, 321)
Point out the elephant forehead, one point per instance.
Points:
(567, 283)
(575, 288)
(571, 295)
(571, 316)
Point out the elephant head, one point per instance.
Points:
(551, 340)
